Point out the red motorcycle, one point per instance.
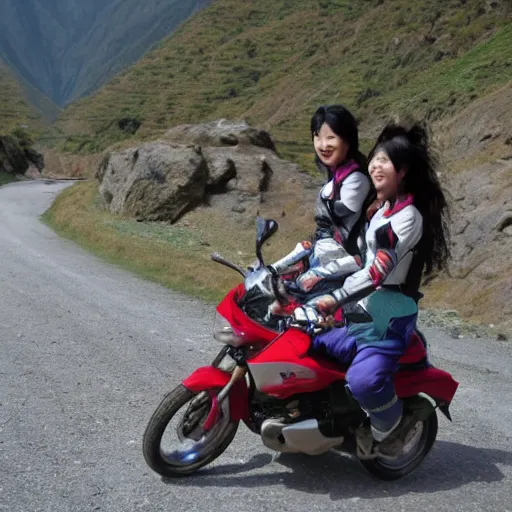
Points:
(294, 399)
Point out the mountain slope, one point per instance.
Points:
(15, 110)
(273, 62)
(66, 48)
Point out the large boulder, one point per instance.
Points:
(35, 158)
(228, 167)
(12, 156)
(220, 133)
(244, 172)
(221, 169)
(154, 181)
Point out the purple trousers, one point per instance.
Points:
(373, 361)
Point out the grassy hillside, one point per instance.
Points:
(14, 108)
(273, 61)
(48, 110)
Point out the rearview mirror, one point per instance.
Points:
(264, 230)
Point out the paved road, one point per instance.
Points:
(87, 351)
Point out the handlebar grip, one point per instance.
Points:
(328, 323)
(219, 259)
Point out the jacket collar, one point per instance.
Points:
(399, 204)
(342, 171)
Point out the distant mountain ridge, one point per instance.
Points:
(68, 48)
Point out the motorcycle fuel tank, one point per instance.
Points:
(285, 368)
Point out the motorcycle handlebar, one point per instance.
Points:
(328, 323)
(219, 259)
(281, 297)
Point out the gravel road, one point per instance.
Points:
(88, 350)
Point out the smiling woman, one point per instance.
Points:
(404, 238)
(340, 203)
(330, 147)
(385, 177)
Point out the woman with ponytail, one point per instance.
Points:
(406, 238)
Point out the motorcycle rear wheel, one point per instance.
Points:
(198, 448)
(386, 469)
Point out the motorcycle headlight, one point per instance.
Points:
(224, 332)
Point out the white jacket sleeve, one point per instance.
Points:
(393, 240)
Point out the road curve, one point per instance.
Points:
(88, 350)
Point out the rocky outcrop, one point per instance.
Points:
(16, 159)
(154, 181)
(482, 239)
(220, 133)
(227, 166)
(12, 157)
(477, 175)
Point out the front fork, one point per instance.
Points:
(238, 374)
(230, 384)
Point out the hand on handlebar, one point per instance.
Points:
(309, 319)
(306, 316)
(316, 315)
(326, 303)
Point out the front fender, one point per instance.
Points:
(209, 377)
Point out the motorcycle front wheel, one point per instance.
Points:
(175, 442)
(419, 443)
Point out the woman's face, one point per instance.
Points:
(330, 148)
(384, 176)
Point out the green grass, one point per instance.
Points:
(272, 63)
(448, 86)
(178, 255)
(15, 111)
(163, 233)
(173, 256)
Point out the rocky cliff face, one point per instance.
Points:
(477, 152)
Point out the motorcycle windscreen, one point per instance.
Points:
(252, 332)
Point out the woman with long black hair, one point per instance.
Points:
(406, 238)
(340, 204)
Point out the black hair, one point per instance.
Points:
(341, 121)
(409, 148)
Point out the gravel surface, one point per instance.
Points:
(88, 350)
